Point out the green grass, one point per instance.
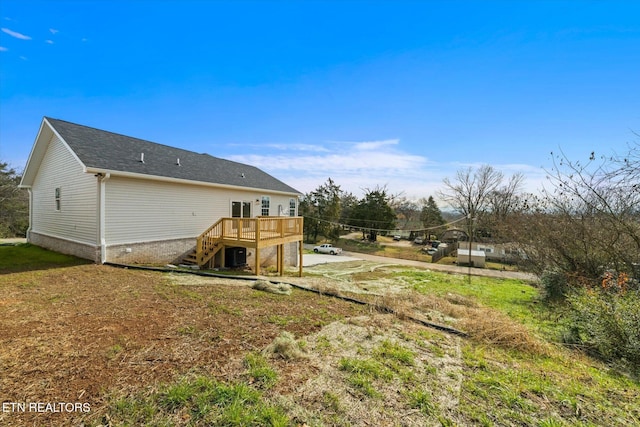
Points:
(363, 373)
(422, 400)
(511, 388)
(517, 299)
(259, 370)
(27, 257)
(391, 351)
(389, 360)
(197, 401)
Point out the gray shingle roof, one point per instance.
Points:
(110, 151)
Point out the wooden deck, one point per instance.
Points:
(253, 233)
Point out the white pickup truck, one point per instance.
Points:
(327, 248)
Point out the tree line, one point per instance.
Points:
(328, 210)
(580, 235)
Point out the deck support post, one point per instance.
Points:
(300, 248)
(257, 266)
(249, 233)
(280, 259)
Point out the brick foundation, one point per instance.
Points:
(81, 250)
(160, 252)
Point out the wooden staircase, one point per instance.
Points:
(208, 244)
(255, 233)
(192, 257)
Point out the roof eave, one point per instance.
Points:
(134, 175)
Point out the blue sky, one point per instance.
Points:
(370, 93)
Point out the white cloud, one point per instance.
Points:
(53, 31)
(358, 166)
(375, 145)
(285, 147)
(352, 165)
(24, 58)
(3, 49)
(15, 34)
(48, 41)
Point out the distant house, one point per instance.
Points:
(499, 252)
(113, 198)
(453, 235)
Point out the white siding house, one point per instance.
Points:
(109, 197)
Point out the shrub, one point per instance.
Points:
(607, 322)
(555, 285)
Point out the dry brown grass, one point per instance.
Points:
(284, 346)
(274, 288)
(484, 325)
(491, 327)
(88, 332)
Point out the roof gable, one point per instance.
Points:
(108, 151)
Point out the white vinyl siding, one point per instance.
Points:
(143, 210)
(72, 215)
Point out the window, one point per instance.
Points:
(265, 205)
(240, 209)
(292, 207)
(58, 198)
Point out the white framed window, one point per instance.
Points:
(292, 207)
(240, 209)
(58, 198)
(266, 202)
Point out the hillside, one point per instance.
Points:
(153, 348)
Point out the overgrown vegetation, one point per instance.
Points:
(606, 323)
(14, 203)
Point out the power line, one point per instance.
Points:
(357, 227)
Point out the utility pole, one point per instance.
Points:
(470, 228)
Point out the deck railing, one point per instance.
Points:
(249, 232)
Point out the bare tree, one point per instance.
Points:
(503, 203)
(470, 195)
(588, 218)
(503, 200)
(600, 199)
(407, 211)
(470, 192)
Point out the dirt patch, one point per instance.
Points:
(81, 334)
(355, 277)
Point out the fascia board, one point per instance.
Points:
(134, 175)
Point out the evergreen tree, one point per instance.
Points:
(374, 212)
(431, 216)
(322, 209)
